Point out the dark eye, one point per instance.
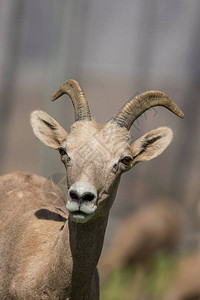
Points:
(126, 160)
(62, 151)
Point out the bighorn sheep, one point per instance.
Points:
(43, 253)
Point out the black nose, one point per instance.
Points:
(74, 195)
(87, 196)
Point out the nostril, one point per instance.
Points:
(74, 195)
(88, 196)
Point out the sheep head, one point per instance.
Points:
(95, 155)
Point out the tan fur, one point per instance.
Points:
(43, 253)
(52, 138)
(155, 149)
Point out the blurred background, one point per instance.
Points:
(114, 49)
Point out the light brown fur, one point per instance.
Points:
(44, 254)
(35, 258)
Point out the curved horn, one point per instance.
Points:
(142, 102)
(74, 91)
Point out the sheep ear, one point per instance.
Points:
(47, 129)
(151, 144)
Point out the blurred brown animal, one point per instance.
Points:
(186, 282)
(155, 226)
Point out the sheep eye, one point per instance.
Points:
(126, 160)
(62, 151)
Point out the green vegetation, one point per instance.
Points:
(141, 282)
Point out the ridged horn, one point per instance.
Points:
(75, 92)
(142, 102)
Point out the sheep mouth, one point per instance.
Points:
(79, 216)
(84, 207)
